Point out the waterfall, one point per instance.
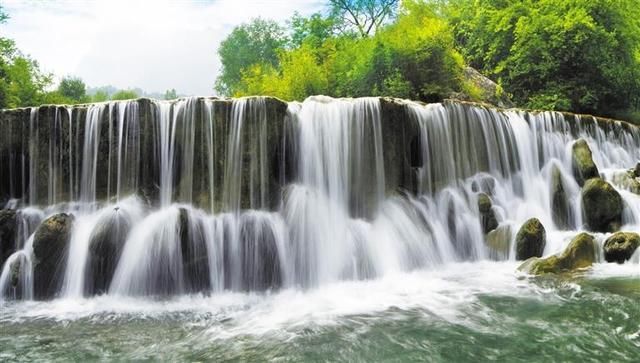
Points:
(203, 195)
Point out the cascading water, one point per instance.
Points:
(206, 195)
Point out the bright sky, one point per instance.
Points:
(154, 45)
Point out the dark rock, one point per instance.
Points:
(621, 246)
(488, 218)
(195, 260)
(7, 234)
(530, 240)
(50, 248)
(581, 253)
(582, 159)
(105, 247)
(602, 206)
(636, 171)
(560, 208)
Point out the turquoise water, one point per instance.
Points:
(461, 312)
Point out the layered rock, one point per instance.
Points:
(7, 234)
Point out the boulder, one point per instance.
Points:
(530, 240)
(621, 246)
(105, 247)
(602, 206)
(7, 234)
(581, 253)
(582, 160)
(50, 246)
(488, 218)
(498, 242)
(560, 208)
(636, 171)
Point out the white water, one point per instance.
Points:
(337, 221)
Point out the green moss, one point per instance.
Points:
(621, 246)
(531, 239)
(583, 166)
(602, 206)
(581, 253)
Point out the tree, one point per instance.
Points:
(170, 94)
(256, 42)
(74, 89)
(313, 30)
(124, 95)
(579, 55)
(100, 96)
(363, 16)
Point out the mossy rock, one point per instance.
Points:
(581, 253)
(560, 208)
(7, 234)
(602, 206)
(488, 218)
(621, 246)
(582, 160)
(531, 239)
(50, 248)
(636, 171)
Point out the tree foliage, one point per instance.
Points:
(248, 44)
(577, 55)
(124, 95)
(74, 89)
(362, 17)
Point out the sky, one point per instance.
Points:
(154, 45)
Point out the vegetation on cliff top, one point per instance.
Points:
(580, 55)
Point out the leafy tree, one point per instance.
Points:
(74, 89)
(314, 30)
(256, 42)
(363, 17)
(124, 95)
(170, 94)
(100, 96)
(578, 55)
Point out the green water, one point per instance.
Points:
(461, 313)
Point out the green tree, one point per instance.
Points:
(100, 96)
(256, 42)
(74, 89)
(362, 17)
(170, 94)
(124, 95)
(314, 30)
(578, 55)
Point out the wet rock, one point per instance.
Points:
(560, 208)
(7, 234)
(50, 247)
(627, 180)
(194, 253)
(530, 240)
(582, 159)
(621, 246)
(484, 183)
(488, 218)
(602, 206)
(636, 171)
(105, 247)
(581, 253)
(498, 242)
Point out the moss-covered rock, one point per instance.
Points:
(7, 234)
(582, 160)
(560, 208)
(531, 239)
(488, 218)
(581, 253)
(621, 246)
(50, 247)
(636, 171)
(602, 206)
(498, 242)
